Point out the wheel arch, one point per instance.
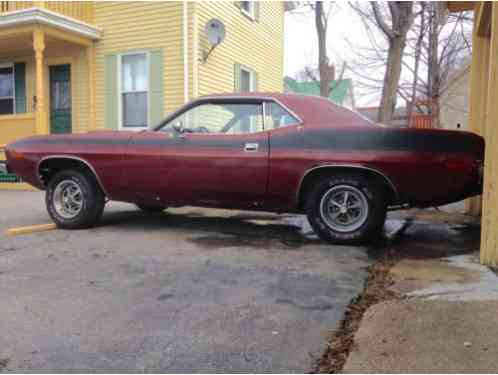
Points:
(49, 165)
(313, 174)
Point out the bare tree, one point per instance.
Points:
(326, 69)
(401, 19)
(425, 67)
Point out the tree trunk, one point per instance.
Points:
(391, 79)
(323, 61)
(418, 51)
(433, 68)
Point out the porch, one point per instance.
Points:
(36, 44)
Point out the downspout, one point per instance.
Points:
(195, 51)
(185, 51)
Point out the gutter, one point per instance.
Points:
(185, 51)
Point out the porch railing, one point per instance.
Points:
(10, 6)
(80, 10)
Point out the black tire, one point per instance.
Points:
(370, 222)
(151, 209)
(92, 199)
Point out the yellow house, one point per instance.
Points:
(82, 66)
(483, 117)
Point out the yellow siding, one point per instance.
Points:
(135, 26)
(130, 26)
(256, 44)
(14, 127)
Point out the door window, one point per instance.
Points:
(61, 95)
(216, 118)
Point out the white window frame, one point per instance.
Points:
(252, 75)
(249, 13)
(13, 97)
(120, 92)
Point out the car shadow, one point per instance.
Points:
(407, 232)
(248, 229)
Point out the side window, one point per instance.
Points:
(216, 118)
(246, 79)
(250, 9)
(7, 89)
(278, 117)
(134, 91)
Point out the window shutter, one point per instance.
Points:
(111, 92)
(156, 73)
(256, 80)
(20, 86)
(236, 74)
(256, 10)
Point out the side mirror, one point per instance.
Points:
(179, 127)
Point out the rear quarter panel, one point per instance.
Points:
(425, 167)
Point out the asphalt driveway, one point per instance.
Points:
(190, 290)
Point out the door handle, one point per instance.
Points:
(251, 147)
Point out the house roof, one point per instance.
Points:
(337, 95)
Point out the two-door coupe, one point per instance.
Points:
(257, 151)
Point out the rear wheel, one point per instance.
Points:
(347, 208)
(151, 209)
(74, 200)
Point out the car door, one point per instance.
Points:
(214, 153)
(225, 152)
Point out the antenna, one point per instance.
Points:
(215, 34)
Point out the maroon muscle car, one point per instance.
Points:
(271, 152)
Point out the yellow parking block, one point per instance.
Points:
(30, 229)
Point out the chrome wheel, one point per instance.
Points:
(344, 208)
(68, 199)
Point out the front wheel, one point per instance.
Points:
(347, 208)
(74, 200)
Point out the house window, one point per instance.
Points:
(7, 95)
(134, 78)
(247, 80)
(248, 8)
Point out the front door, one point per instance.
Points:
(214, 154)
(60, 99)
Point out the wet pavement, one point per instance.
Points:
(189, 290)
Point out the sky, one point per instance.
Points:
(301, 46)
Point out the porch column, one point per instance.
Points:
(41, 113)
(479, 76)
(90, 50)
(489, 222)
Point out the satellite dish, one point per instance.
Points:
(215, 31)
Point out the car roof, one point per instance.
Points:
(311, 110)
